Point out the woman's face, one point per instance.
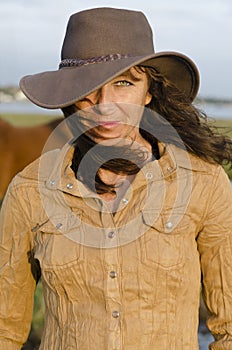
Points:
(114, 111)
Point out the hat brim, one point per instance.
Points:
(63, 87)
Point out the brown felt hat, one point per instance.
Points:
(99, 45)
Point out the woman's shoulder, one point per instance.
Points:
(38, 168)
(192, 162)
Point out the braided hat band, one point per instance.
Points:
(75, 62)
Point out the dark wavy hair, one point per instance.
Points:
(195, 129)
(170, 118)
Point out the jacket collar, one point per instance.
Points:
(53, 169)
(61, 176)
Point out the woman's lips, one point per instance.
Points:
(109, 124)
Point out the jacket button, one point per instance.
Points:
(169, 224)
(115, 314)
(69, 186)
(111, 234)
(113, 274)
(125, 201)
(149, 176)
(59, 225)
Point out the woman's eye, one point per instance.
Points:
(123, 83)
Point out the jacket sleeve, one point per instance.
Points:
(17, 283)
(215, 247)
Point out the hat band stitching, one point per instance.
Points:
(75, 62)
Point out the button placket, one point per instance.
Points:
(108, 224)
(112, 291)
(113, 297)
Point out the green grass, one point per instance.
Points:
(38, 312)
(29, 119)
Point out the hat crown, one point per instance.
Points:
(105, 31)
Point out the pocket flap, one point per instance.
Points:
(168, 221)
(60, 224)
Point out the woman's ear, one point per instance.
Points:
(148, 98)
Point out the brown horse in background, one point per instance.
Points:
(19, 146)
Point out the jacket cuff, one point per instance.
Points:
(223, 343)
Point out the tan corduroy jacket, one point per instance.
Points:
(129, 281)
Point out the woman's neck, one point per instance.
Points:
(109, 167)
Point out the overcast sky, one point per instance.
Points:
(32, 31)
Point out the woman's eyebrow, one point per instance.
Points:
(129, 75)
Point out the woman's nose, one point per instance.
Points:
(103, 99)
(101, 95)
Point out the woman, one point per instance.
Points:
(132, 214)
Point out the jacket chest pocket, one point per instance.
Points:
(53, 246)
(164, 241)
